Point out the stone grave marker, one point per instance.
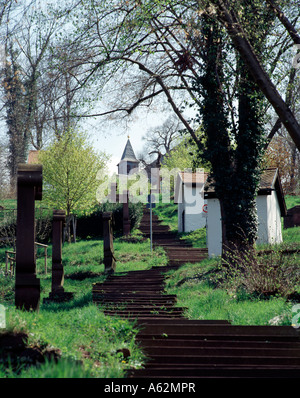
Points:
(29, 189)
(126, 220)
(57, 290)
(292, 219)
(109, 256)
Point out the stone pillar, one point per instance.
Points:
(29, 189)
(57, 290)
(59, 219)
(126, 220)
(109, 257)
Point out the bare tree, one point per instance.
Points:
(160, 140)
(38, 99)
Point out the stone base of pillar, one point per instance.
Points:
(126, 228)
(110, 265)
(59, 297)
(27, 292)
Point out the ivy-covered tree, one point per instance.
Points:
(234, 152)
(15, 106)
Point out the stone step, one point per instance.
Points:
(197, 360)
(164, 342)
(221, 331)
(177, 347)
(191, 322)
(200, 352)
(218, 372)
(141, 313)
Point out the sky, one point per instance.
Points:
(111, 137)
(112, 140)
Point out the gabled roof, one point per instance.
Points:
(269, 182)
(128, 154)
(193, 178)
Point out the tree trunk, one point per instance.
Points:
(242, 44)
(235, 169)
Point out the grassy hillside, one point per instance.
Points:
(87, 340)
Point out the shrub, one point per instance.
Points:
(263, 274)
(8, 226)
(90, 226)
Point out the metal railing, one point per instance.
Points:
(10, 259)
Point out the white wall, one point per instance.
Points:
(262, 215)
(275, 232)
(191, 202)
(122, 167)
(214, 228)
(269, 219)
(269, 223)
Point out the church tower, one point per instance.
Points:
(128, 160)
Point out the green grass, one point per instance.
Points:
(291, 201)
(83, 334)
(204, 300)
(291, 236)
(167, 213)
(87, 339)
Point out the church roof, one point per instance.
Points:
(128, 154)
(193, 178)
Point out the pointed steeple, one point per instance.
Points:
(128, 160)
(128, 153)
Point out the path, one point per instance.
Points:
(178, 347)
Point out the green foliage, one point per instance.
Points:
(234, 153)
(292, 236)
(167, 213)
(184, 155)
(197, 238)
(8, 226)
(292, 201)
(263, 274)
(63, 369)
(87, 339)
(199, 288)
(71, 173)
(90, 225)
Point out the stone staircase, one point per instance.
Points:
(177, 347)
(178, 251)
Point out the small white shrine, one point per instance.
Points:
(190, 198)
(271, 208)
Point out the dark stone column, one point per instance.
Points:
(126, 220)
(59, 219)
(109, 257)
(29, 189)
(57, 290)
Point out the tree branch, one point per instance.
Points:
(168, 95)
(285, 22)
(262, 79)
